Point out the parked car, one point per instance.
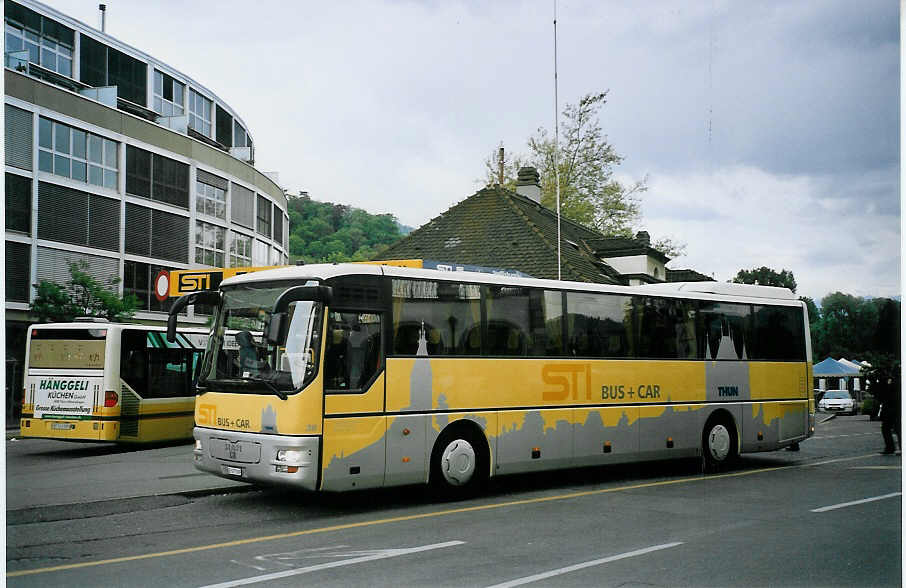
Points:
(837, 401)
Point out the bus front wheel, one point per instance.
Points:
(458, 463)
(719, 445)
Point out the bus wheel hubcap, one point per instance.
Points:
(458, 462)
(719, 442)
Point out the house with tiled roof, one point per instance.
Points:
(500, 228)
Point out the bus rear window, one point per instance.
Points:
(81, 349)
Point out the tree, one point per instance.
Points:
(766, 276)
(589, 194)
(328, 232)
(847, 327)
(82, 296)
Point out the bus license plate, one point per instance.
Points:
(231, 471)
(61, 426)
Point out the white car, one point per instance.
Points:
(837, 401)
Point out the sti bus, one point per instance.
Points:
(98, 381)
(381, 376)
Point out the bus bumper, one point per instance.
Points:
(92, 430)
(258, 458)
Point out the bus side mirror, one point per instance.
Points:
(322, 294)
(275, 332)
(210, 297)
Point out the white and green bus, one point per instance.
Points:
(99, 381)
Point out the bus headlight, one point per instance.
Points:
(198, 446)
(289, 455)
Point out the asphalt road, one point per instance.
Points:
(828, 515)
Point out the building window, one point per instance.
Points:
(18, 203)
(154, 176)
(239, 135)
(210, 200)
(199, 113)
(209, 244)
(49, 44)
(169, 95)
(72, 153)
(264, 216)
(240, 250)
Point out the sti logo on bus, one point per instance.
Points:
(565, 379)
(207, 414)
(190, 282)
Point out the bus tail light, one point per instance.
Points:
(110, 398)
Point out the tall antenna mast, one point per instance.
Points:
(557, 139)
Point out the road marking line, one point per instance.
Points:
(382, 554)
(426, 515)
(588, 564)
(876, 468)
(855, 502)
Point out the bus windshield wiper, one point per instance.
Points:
(280, 393)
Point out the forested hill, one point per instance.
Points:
(328, 232)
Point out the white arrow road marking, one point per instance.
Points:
(588, 564)
(382, 554)
(855, 502)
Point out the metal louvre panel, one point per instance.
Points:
(264, 216)
(62, 214)
(213, 180)
(138, 172)
(138, 229)
(53, 265)
(19, 136)
(103, 223)
(169, 236)
(278, 225)
(18, 203)
(169, 181)
(242, 201)
(224, 127)
(18, 270)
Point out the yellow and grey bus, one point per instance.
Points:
(99, 381)
(373, 376)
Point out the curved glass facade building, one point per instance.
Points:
(118, 160)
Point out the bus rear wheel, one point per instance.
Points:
(459, 463)
(719, 444)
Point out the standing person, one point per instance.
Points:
(884, 380)
(890, 414)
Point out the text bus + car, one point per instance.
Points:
(374, 376)
(99, 381)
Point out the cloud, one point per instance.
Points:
(783, 222)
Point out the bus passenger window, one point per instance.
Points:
(353, 351)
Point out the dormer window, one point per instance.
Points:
(49, 44)
(199, 113)
(169, 95)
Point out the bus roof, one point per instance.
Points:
(727, 292)
(113, 326)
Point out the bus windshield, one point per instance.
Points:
(238, 357)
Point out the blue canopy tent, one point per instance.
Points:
(832, 374)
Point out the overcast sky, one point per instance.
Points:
(768, 131)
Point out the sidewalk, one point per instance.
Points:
(43, 473)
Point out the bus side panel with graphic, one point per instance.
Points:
(109, 382)
(383, 376)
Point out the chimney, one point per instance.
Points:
(103, 9)
(643, 237)
(528, 184)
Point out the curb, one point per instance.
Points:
(100, 508)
